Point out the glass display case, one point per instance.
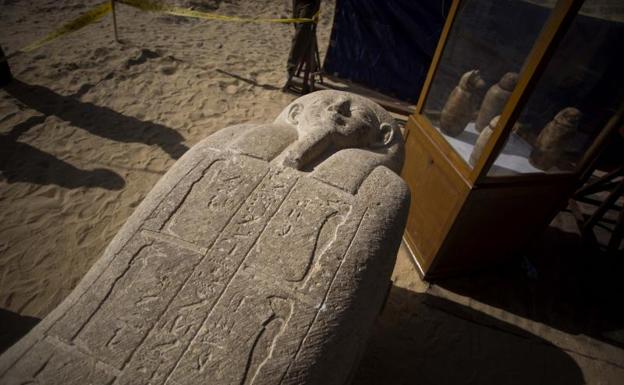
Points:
(520, 96)
(478, 69)
(573, 99)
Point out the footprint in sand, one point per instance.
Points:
(168, 69)
(196, 116)
(229, 86)
(142, 57)
(100, 52)
(231, 89)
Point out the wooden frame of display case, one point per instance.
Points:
(460, 218)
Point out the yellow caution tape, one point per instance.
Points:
(147, 5)
(101, 10)
(93, 15)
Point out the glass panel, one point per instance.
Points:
(486, 48)
(579, 91)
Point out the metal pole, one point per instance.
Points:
(114, 21)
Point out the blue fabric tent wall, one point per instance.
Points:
(385, 45)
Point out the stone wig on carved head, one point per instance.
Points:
(330, 121)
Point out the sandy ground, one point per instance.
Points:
(90, 125)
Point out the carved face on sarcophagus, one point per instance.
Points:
(336, 121)
(329, 121)
(261, 257)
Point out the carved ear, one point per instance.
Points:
(294, 112)
(385, 135)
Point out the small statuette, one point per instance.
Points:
(461, 104)
(477, 151)
(495, 99)
(550, 147)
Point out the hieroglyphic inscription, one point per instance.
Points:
(139, 297)
(258, 323)
(68, 326)
(315, 336)
(52, 362)
(127, 325)
(264, 343)
(190, 338)
(163, 347)
(239, 318)
(162, 212)
(301, 231)
(212, 201)
(249, 329)
(72, 322)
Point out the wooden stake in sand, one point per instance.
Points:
(115, 21)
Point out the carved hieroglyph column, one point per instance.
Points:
(262, 257)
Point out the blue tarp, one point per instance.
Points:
(385, 45)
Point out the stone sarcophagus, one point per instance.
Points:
(262, 257)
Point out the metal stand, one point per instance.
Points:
(614, 190)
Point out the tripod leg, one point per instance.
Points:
(317, 57)
(318, 62)
(299, 68)
(5, 71)
(617, 234)
(305, 88)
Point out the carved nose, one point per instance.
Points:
(341, 106)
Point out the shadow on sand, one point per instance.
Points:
(424, 339)
(100, 121)
(249, 81)
(578, 288)
(21, 162)
(14, 327)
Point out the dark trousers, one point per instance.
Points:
(304, 33)
(5, 72)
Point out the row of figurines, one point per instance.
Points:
(460, 108)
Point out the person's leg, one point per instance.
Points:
(303, 33)
(5, 71)
(296, 48)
